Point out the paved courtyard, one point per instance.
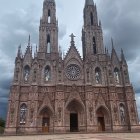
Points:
(107, 136)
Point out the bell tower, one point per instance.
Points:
(92, 36)
(48, 30)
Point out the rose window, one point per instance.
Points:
(73, 72)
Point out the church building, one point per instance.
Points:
(55, 94)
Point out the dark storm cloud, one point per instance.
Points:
(121, 20)
(3, 109)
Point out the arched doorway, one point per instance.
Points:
(46, 118)
(75, 115)
(103, 119)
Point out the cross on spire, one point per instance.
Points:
(72, 39)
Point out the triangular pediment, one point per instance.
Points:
(72, 54)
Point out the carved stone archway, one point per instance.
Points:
(46, 119)
(103, 119)
(75, 116)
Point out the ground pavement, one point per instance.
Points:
(107, 136)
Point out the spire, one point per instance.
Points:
(89, 2)
(72, 39)
(122, 56)
(112, 43)
(60, 51)
(29, 41)
(19, 51)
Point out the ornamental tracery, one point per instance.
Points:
(73, 72)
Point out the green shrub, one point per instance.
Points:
(1, 130)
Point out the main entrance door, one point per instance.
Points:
(101, 124)
(73, 122)
(45, 124)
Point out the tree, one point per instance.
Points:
(2, 122)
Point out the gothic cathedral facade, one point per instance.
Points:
(55, 94)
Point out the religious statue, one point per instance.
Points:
(122, 114)
(97, 77)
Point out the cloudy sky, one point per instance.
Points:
(19, 18)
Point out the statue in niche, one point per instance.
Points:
(116, 75)
(97, 77)
(59, 113)
(47, 74)
(26, 76)
(122, 114)
(23, 114)
(90, 113)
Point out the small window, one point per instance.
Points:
(94, 46)
(48, 44)
(26, 73)
(23, 113)
(49, 16)
(98, 75)
(47, 73)
(91, 18)
(34, 75)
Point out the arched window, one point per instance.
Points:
(98, 75)
(49, 16)
(122, 113)
(26, 73)
(48, 44)
(94, 45)
(116, 75)
(91, 18)
(47, 73)
(23, 112)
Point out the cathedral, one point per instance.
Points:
(73, 93)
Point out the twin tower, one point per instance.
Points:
(55, 94)
(91, 34)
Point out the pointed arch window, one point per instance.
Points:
(47, 73)
(116, 75)
(26, 73)
(98, 75)
(23, 113)
(49, 16)
(48, 44)
(91, 18)
(122, 113)
(94, 45)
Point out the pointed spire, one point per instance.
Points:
(29, 41)
(122, 56)
(60, 51)
(112, 43)
(19, 51)
(35, 54)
